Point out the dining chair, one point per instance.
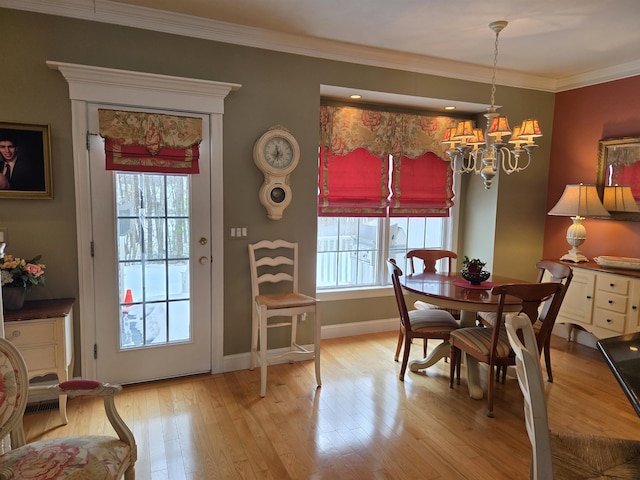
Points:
(275, 295)
(430, 257)
(548, 271)
(490, 344)
(425, 324)
(97, 457)
(562, 455)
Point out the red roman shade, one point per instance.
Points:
(422, 187)
(353, 185)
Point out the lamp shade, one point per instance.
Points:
(499, 127)
(619, 198)
(579, 201)
(464, 130)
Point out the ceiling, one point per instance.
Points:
(554, 39)
(550, 45)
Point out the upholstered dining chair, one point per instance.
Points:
(562, 455)
(274, 292)
(96, 457)
(425, 324)
(429, 258)
(490, 344)
(548, 271)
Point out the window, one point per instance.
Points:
(352, 251)
(384, 188)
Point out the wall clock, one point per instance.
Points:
(277, 154)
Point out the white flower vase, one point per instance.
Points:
(13, 297)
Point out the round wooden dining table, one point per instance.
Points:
(450, 290)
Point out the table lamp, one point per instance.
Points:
(619, 198)
(578, 201)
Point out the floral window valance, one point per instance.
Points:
(344, 129)
(422, 181)
(149, 142)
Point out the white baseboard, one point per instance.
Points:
(241, 361)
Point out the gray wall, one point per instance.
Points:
(504, 224)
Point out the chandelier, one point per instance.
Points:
(471, 151)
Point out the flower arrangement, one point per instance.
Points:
(18, 272)
(473, 271)
(473, 264)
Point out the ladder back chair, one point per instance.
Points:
(98, 457)
(562, 455)
(490, 344)
(275, 295)
(425, 324)
(548, 271)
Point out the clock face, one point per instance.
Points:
(278, 152)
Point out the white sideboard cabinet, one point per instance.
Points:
(604, 302)
(42, 330)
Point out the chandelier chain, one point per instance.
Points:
(495, 66)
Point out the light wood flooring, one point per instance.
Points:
(362, 424)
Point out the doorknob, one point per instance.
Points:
(203, 241)
(203, 260)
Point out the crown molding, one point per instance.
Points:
(106, 11)
(609, 74)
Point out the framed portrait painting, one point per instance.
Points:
(25, 161)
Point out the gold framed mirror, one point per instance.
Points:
(619, 164)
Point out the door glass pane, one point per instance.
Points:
(153, 258)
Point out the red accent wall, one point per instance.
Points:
(582, 117)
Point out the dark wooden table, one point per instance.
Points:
(450, 290)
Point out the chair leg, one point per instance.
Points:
(547, 359)
(316, 345)
(454, 354)
(254, 337)
(263, 352)
(400, 339)
(405, 358)
(294, 331)
(490, 386)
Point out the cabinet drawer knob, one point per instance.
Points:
(612, 285)
(588, 297)
(610, 302)
(15, 333)
(609, 320)
(634, 307)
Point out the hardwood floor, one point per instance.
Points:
(362, 424)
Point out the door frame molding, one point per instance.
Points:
(89, 84)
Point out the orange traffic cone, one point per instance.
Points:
(128, 300)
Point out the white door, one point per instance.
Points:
(152, 263)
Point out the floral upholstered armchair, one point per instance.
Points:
(88, 456)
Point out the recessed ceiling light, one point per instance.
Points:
(450, 107)
(355, 96)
